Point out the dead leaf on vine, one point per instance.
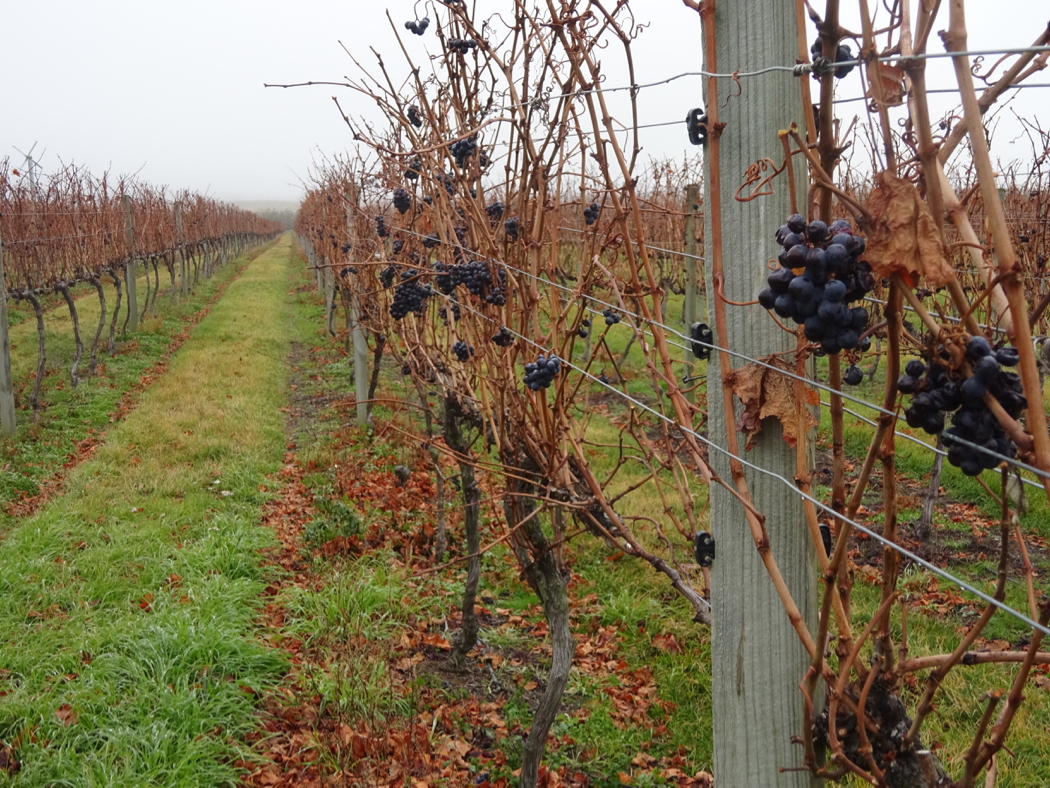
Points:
(903, 238)
(892, 79)
(764, 392)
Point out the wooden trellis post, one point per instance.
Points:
(129, 267)
(360, 343)
(180, 240)
(757, 659)
(7, 388)
(692, 200)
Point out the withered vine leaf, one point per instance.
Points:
(893, 88)
(765, 392)
(903, 238)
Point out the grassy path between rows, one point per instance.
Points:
(64, 431)
(127, 604)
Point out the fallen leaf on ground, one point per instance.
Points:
(66, 715)
(667, 644)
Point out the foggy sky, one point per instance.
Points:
(175, 91)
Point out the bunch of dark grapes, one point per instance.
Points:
(402, 200)
(406, 370)
(541, 374)
(346, 248)
(398, 246)
(462, 45)
(853, 376)
(821, 273)
(842, 55)
(462, 150)
(495, 211)
(448, 180)
(418, 26)
(409, 296)
(386, 276)
(381, 229)
(497, 297)
(462, 350)
(443, 280)
(475, 276)
(611, 317)
(938, 390)
(347, 270)
(590, 213)
(415, 166)
(503, 337)
(582, 330)
(443, 313)
(431, 241)
(510, 227)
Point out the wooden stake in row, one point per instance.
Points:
(7, 388)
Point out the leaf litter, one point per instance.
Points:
(457, 730)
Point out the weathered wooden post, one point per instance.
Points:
(129, 267)
(180, 241)
(757, 658)
(360, 340)
(7, 389)
(692, 202)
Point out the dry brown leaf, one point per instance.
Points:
(457, 745)
(764, 393)
(667, 643)
(903, 238)
(66, 715)
(893, 90)
(8, 762)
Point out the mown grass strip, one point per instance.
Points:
(46, 440)
(127, 604)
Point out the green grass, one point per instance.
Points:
(373, 601)
(46, 440)
(130, 600)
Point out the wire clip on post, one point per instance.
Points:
(696, 122)
(703, 338)
(704, 548)
(825, 538)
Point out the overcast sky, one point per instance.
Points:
(175, 92)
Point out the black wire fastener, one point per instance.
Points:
(825, 537)
(696, 122)
(703, 338)
(704, 548)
